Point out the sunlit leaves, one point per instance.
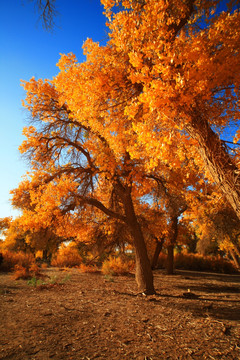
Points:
(108, 126)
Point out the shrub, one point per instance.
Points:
(27, 272)
(67, 256)
(44, 266)
(11, 259)
(117, 266)
(34, 270)
(204, 263)
(88, 268)
(21, 272)
(197, 262)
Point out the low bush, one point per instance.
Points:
(117, 266)
(44, 266)
(198, 262)
(21, 272)
(67, 256)
(48, 283)
(204, 263)
(88, 268)
(12, 259)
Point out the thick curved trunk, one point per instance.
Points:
(217, 160)
(143, 274)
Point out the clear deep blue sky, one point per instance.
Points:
(27, 50)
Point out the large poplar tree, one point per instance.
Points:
(164, 85)
(184, 55)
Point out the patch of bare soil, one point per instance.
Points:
(93, 317)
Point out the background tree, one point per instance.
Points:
(173, 194)
(217, 226)
(18, 237)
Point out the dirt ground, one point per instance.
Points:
(89, 316)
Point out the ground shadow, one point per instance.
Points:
(195, 275)
(212, 288)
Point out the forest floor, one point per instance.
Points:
(89, 316)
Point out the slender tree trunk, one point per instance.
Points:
(158, 249)
(170, 260)
(45, 255)
(172, 241)
(236, 248)
(217, 160)
(144, 275)
(235, 259)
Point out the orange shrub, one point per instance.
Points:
(34, 270)
(117, 266)
(11, 259)
(197, 262)
(44, 266)
(88, 268)
(67, 256)
(204, 263)
(31, 270)
(21, 272)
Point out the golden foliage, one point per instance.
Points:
(117, 266)
(12, 259)
(67, 256)
(140, 108)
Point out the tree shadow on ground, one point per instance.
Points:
(221, 309)
(196, 275)
(212, 288)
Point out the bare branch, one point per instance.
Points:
(47, 12)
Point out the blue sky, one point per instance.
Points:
(29, 50)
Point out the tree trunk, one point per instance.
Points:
(45, 255)
(143, 274)
(172, 241)
(170, 260)
(217, 160)
(158, 249)
(236, 248)
(235, 259)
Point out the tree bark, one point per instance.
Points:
(236, 248)
(158, 249)
(47, 257)
(170, 260)
(172, 241)
(235, 259)
(143, 274)
(217, 160)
